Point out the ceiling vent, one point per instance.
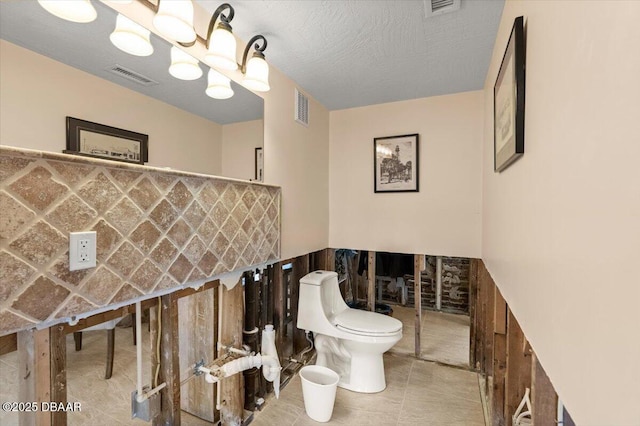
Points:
(131, 75)
(302, 109)
(438, 7)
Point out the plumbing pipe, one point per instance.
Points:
(270, 364)
(140, 395)
(139, 349)
(304, 352)
(269, 361)
(439, 283)
(243, 352)
(250, 338)
(219, 344)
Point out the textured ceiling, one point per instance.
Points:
(344, 53)
(354, 53)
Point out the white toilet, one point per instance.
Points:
(348, 341)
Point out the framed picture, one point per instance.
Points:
(508, 102)
(259, 165)
(97, 140)
(395, 161)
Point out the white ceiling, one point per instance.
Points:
(345, 53)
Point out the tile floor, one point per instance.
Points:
(418, 392)
(443, 337)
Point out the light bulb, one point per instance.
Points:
(81, 11)
(174, 20)
(218, 86)
(183, 65)
(131, 38)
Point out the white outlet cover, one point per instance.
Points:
(77, 251)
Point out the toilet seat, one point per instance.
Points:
(365, 323)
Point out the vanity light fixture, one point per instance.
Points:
(183, 65)
(218, 85)
(81, 11)
(256, 70)
(131, 37)
(174, 20)
(220, 42)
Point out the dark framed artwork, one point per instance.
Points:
(259, 160)
(508, 101)
(100, 141)
(396, 163)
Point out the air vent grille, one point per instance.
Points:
(131, 75)
(438, 7)
(302, 108)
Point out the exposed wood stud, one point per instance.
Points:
(231, 388)
(8, 343)
(331, 259)
(169, 363)
(34, 380)
(371, 276)
(500, 312)
(58, 369)
(197, 315)
(473, 294)
(417, 285)
(300, 269)
(544, 400)
(499, 376)
(518, 366)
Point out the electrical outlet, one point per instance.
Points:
(82, 250)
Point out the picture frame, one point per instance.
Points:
(509, 101)
(259, 165)
(396, 163)
(90, 139)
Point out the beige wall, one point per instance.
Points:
(443, 218)
(38, 93)
(561, 226)
(239, 141)
(297, 159)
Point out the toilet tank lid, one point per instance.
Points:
(367, 322)
(317, 277)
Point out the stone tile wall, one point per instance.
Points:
(156, 229)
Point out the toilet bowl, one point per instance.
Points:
(348, 341)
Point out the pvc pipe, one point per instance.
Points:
(139, 349)
(439, 283)
(231, 349)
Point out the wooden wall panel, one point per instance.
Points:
(418, 266)
(371, 278)
(34, 378)
(232, 388)
(473, 295)
(197, 326)
(300, 269)
(518, 366)
(544, 400)
(169, 363)
(58, 371)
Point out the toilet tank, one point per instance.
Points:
(319, 300)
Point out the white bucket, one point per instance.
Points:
(319, 386)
